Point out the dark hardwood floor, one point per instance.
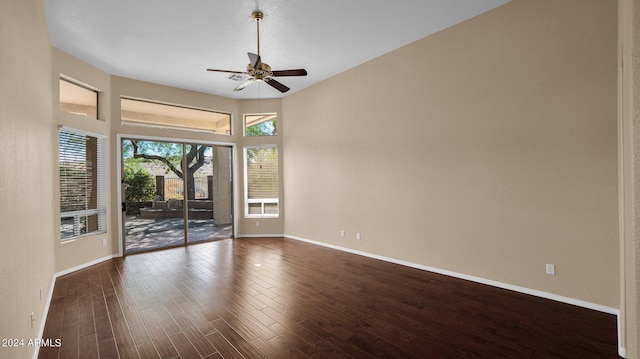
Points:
(279, 298)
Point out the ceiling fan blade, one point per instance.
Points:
(255, 60)
(228, 71)
(244, 84)
(277, 85)
(295, 72)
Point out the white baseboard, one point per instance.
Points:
(84, 265)
(260, 236)
(537, 293)
(45, 314)
(622, 351)
(580, 303)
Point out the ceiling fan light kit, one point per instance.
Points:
(260, 71)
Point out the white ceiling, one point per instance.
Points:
(172, 42)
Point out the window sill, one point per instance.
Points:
(83, 236)
(261, 216)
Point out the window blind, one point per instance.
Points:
(82, 183)
(261, 178)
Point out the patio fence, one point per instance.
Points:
(174, 187)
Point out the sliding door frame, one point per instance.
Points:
(119, 173)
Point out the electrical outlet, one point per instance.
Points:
(104, 241)
(257, 223)
(342, 233)
(358, 236)
(551, 269)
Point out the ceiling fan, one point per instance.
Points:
(260, 71)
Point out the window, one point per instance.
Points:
(78, 100)
(82, 183)
(146, 113)
(261, 181)
(261, 124)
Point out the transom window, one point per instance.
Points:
(78, 100)
(261, 124)
(147, 113)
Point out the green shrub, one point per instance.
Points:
(139, 186)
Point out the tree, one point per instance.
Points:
(172, 156)
(266, 128)
(139, 185)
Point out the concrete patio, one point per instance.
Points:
(145, 234)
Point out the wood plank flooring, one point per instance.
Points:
(280, 298)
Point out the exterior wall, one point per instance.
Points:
(27, 203)
(488, 149)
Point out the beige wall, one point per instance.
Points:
(148, 91)
(634, 268)
(488, 149)
(72, 254)
(27, 223)
(266, 226)
(78, 252)
(629, 159)
(144, 90)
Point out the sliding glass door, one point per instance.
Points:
(209, 214)
(175, 194)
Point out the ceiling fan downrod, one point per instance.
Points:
(258, 15)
